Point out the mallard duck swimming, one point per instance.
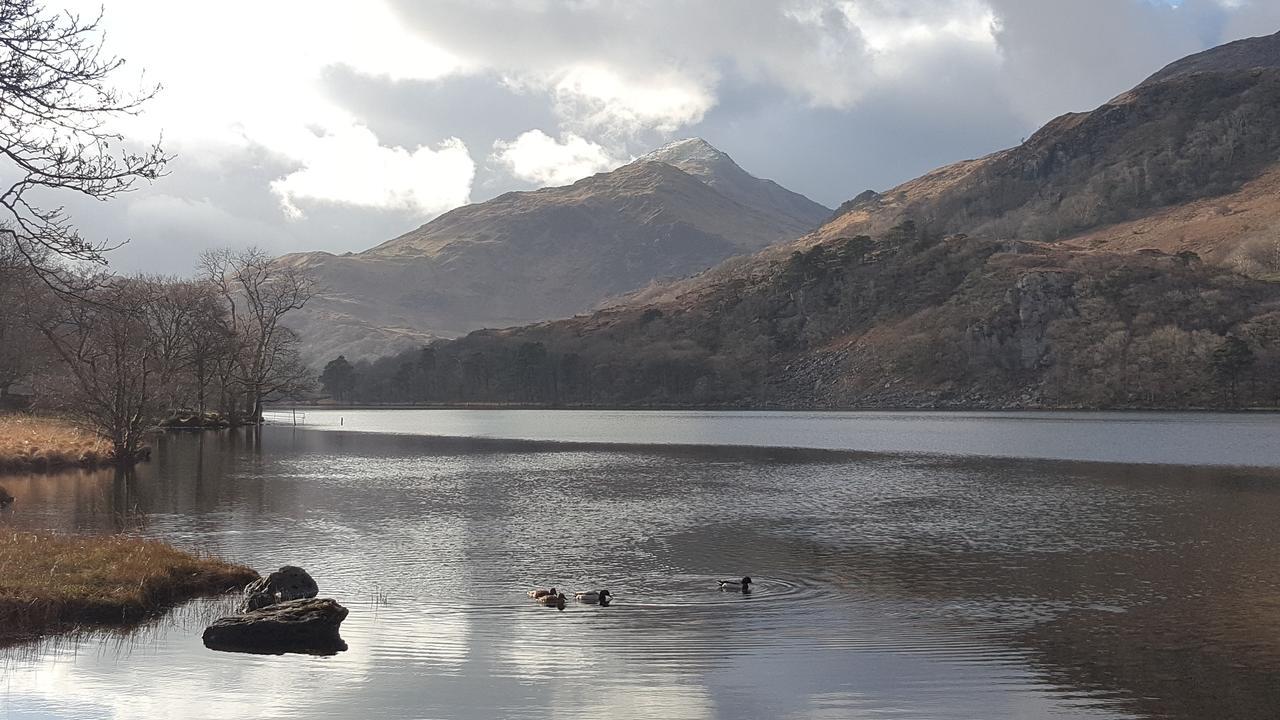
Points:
(555, 601)
(541, 593)
(594, 597)
(742, 586)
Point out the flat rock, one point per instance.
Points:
(293, 626)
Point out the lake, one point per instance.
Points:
(915, 565)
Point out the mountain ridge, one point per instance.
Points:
(535, 255)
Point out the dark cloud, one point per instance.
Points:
(955, 110)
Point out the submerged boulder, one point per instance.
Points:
(287, 583)
(293, 626)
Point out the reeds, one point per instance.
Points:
(33, 443)
(52, 582)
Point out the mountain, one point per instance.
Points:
(698, 158)
(554, 252)
(1123, 257)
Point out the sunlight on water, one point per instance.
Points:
(885, 586)
(1122, 437)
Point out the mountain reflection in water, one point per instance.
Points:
(946, 588)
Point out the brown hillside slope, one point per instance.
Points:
(1159, 145)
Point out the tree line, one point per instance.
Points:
(125, 354)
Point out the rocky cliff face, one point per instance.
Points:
(550, 253)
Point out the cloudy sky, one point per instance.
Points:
(315, 124)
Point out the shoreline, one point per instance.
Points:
(53, 583)
(1257, 410)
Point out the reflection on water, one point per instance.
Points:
(886, 585)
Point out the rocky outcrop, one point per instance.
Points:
(287, 583)
(296, 626)
(1039, 298)
(191, 420)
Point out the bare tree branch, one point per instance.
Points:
(56, 111)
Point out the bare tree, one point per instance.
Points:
(259, 293)
(57, 107)
(115, 359)
(189, 322)
(209, 342)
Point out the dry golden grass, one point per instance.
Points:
(51, 582)
(42, 443)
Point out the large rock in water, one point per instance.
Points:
(298, 626)
(287, 583)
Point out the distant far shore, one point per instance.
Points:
(282, 408)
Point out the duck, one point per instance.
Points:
(541, 593)
(742, 586)
(594, 597)
(555, 601)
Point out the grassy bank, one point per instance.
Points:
(29, 443)
(51, 583)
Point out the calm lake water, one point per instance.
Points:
(915, 583)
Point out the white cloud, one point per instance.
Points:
(349, 167)
(597, 98)
(537, 157)
(245, 73)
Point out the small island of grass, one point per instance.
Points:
(33, 443)
(52, 583)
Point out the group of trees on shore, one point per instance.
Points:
(123, 353)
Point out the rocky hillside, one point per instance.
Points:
(1124, 257)
(549, 253)
(1259, 52)
(1163, 144)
